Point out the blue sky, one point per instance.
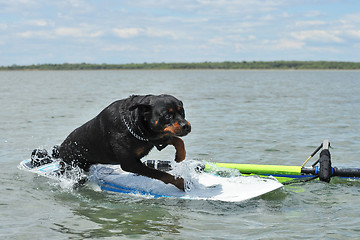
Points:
(137, 31)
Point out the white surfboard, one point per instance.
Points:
(49, 170)
(200, 186)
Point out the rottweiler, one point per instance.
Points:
(126, 131)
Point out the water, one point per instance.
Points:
(265, 117)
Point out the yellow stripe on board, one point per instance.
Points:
(258, 169)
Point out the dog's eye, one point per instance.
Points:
(168, 116)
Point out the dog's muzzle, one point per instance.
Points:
(185, 127)
(180, 128)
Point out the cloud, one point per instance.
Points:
(36, 34)
(39, 23)
(314, 13)
(266, 45)
(289, 44)
(225, 7)
(14, 5)
(324, 49)
(217, 41)
(128, 32)
(185, 30)
(352, 17)
(3, 26)
(77, 32)
(76, 3)
(318, 36)
(119, 48)
(60, 32)
(309, 23)
(153, 32)
(354, 33)
(149, 32)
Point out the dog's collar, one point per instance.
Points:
(158, 145)
(132, 131)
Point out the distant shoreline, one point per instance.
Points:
(244, 65)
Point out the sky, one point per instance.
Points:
(138, 31)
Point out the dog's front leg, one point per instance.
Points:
(136, 166)
(179, 145)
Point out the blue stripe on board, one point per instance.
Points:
(51, 167)
(116, 188)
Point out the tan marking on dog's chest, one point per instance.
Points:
(140, 151)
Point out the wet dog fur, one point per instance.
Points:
(126, 131)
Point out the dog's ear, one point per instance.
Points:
(145, 110)
(142, 103)
(139, 105)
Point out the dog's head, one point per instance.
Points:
(162, 115)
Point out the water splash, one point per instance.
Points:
(72, 177)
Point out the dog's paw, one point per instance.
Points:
(40, 157)
(188, 185)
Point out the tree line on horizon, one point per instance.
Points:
(201, 65)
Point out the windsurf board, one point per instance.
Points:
(199, 185)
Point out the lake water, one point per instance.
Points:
(264, 117)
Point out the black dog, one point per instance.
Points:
(126, 131)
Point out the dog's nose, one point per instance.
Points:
(185, 126)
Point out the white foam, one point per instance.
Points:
(67, 181)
